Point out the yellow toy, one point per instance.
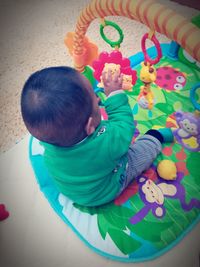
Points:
(127, 82)
(113, 67)
(147, 73)
(167, 169)
(127, 79)
(147, 76)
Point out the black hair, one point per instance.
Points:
(56, 105)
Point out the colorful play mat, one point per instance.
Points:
(138, 226)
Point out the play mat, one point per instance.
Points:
(138, 226)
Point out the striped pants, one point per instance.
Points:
(141, 155)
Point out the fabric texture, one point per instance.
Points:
(89, 172)
(167, 134)
(141, 155)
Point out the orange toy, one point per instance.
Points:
(86, 55)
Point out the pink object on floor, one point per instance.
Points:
(3, 212)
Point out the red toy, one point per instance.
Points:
(3, 212)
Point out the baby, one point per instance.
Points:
(90, 160)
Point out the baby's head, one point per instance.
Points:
(59, 106)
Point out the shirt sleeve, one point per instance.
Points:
(121, 124)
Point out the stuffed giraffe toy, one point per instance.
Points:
(147, 76)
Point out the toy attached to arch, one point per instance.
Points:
(114, 60)
(113, 44)
(151, 36)
(146, 99)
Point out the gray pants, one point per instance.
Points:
(141, 155)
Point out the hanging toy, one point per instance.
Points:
(114, 60)
(147, 76)
(109, 66)
(146, 98)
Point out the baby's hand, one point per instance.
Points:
(112, 82)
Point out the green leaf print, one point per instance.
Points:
(167, 109)
(102, 225)
(150, 231)
(90, 210)
(158, 94)
(148, 124)
(143, 114)
(192, 187)
(193, 165)
(124, 242)
(113, 220)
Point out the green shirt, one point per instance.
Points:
(89, 172)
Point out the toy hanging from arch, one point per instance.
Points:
(146, 98)
(151, 36)
(114, 60)
(147, 76)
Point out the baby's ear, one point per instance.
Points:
(90, 128)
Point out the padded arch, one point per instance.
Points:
(154, 15)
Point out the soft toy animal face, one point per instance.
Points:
(188, 122)
(152, 192)
(127, 82)
(147, 73)
(109, 66)
(188, 133)
(127, 78)
(189, 127)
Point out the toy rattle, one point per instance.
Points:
(147, 76)
(148, 72)
(114, 60)
(151, 36)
